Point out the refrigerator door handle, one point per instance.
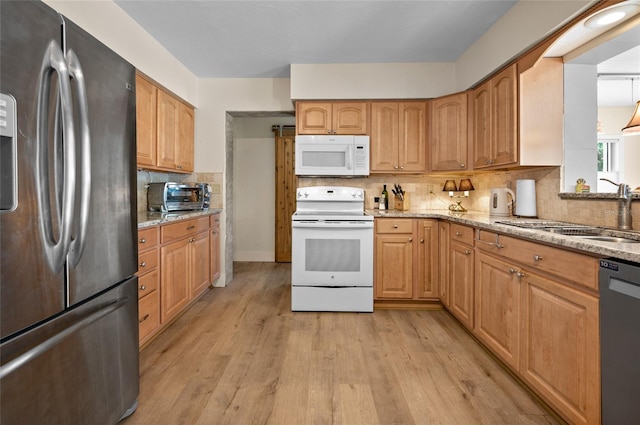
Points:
(55, 251)
(75, 72)
(48, 344)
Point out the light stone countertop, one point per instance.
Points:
(622, 251)
(151, 218)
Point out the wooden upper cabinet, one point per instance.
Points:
(449, 133)
(164, 129)
(146, 141)
(398, 137)
(495, 113)
(332, 117)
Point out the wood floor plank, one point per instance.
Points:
(239, 356)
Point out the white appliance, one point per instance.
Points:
(332, 251)
(526, 204)
(330, 155)
(499, 203)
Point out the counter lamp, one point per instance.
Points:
(465, 186)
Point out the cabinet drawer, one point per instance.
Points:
(389, 225)
(148, 314)
(184, 228)
(579, 268)
(214, 220)
(148, 283)
(147, 261)
(462, 234)
(147, 238)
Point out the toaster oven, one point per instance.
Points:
(167, 197)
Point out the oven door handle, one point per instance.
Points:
(332, 224)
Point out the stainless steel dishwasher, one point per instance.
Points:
(620, 341)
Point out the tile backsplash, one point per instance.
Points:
(146, 177)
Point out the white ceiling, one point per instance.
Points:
(227, 39)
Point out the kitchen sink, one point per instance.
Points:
(581, 231)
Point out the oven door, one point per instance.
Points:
(335, 253)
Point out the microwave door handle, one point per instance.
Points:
(350, 149)
(53, 61)
(75, 72)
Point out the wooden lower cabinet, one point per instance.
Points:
(406, 259)
(443, 258)
(148, 283)
(561, 347)
(461, 283)
(214, 268)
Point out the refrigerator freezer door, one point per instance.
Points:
(31, 291)
(81, 368)
(105, 232)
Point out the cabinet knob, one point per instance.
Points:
(512, 271)
(193, 226)
(458, 234)
(520, 275)
(421, 240)
(143, 240)
(402, 168)
(146, 316)
(537, 257)
(143, 264)
(467, 252)
(395, 226)
(143, 287)
(179, 167)
(395, 166)
(462, 165)
(410, 239)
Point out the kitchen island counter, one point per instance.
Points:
(482, 220)
(152, 218)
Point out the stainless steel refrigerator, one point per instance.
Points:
(69, 304)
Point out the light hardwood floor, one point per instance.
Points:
(240, 356)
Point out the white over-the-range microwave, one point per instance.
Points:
(332, 155)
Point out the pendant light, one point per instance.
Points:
(634, 124)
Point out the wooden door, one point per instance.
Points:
(461, 283)
(427, 261)
(394, 266)
(561, 347)
(504, 111)
(184, 154)
(412, 136)
(349, 118)
(174, 278)
(200, 254)
(448, 127)
(497, 307)
(481, 106)
(384, 137)
(286, 185)
(313, 117)
(146, 98)
(167, 130)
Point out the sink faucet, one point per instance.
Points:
(625, 195)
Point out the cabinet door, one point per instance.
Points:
(449, 147)
(443, 255)
(184, 154)
(349, 118)
(313, 117)
(504, 111)
(412, 136)
(148, 316)
(146, 98)
(561, 347)
(175, 278)
(481, 106)
(167, 130)
(461, 284)
(200, 262)
(384, 136)
(497, 307)
(427, 263)
(394, 266)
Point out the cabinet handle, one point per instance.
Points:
(193, 226)
(192, 240)
(395, 166)
(179, 167)
(496, 244)
(520, 275)
(458, 234)
(462, 165)
(537, 257)
(146, 316)
(421, 240)
(410, 239)
(395, 226)
(143, 287)
(143, 264)
(143, 240)
(467, 252)
(512, 271)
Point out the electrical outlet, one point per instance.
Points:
(430, 189)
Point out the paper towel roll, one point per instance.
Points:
(526, 198)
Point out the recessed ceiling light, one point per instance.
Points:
(611, 15)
